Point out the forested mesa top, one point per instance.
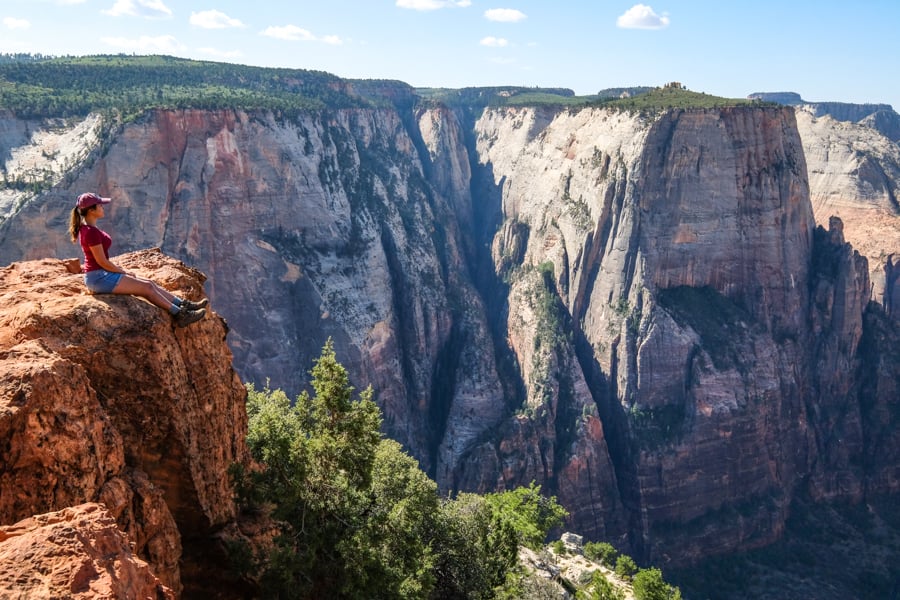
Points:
(35, 86)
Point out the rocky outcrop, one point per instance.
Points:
(789, 98)
(103, 400)
(635, 310)
(854, 174)
(846, 111)
(77, 553)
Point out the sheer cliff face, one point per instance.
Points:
(854, 173)
(680, 248)
(322, 227)
(634, 311)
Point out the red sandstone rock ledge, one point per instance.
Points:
(103, 400)
(76, 553)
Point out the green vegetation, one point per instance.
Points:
(358, 518)
(530, 514)
(649, 585)
(479, 97)
(75, 86)
(642, 99)
(625, 566)
(672, 97)
(646, 584)
(558, 547)
(601, 552)
(551, 338)
(551, 331)
(601, 588)
(36, 86)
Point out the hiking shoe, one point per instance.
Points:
(185, 317)
(190, 305)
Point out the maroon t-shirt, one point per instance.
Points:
(91, 236)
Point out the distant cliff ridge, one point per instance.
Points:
(787, 98)
(636, 310)
(880, 117)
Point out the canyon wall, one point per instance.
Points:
(637, 311)
(854, 173)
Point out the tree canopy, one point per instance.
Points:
(357, 516)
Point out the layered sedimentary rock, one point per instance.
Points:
(636, 311)
(854, 173)
(325, 226)
(77, 553)
(103, 400)
(664, 248)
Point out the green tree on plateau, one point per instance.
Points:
(529, 513)
(649, 585)
(358, 518)
(601, 589)
(319, 456)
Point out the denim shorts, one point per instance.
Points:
(101, 282)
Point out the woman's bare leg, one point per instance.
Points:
(144, 288)
(161, 290)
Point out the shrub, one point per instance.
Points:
(625, 567)
(529, 513)
(602, 552)
(649, 585)
(602, 589)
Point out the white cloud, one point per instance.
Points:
(149, 9)
(13, 23)
(504, 15)
(641, 16)
(213, 19)
(432, 4)
(292, 33)
(163, 44)
(494, 42)
(220, 53)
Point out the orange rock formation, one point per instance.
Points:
(103, 400)
(76, 553)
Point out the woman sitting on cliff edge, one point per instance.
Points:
(103, 277)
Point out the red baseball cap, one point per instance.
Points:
(90, 199)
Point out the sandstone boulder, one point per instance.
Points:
(77, 553)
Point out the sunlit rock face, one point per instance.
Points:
(78, 553)
(636, 311)
(103, 400)
(854, 174)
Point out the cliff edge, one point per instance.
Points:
(103, 400)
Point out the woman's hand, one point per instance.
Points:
(105, 264)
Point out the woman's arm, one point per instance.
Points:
(100, 259)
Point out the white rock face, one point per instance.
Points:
(854, 174)
(41, 153)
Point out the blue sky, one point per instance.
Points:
(825, 51)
